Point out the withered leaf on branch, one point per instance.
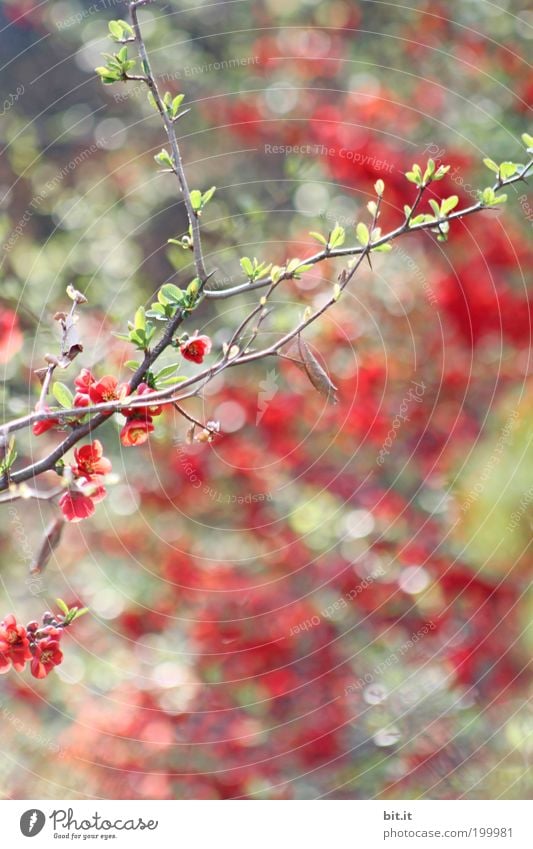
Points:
(51, 540)
(317, 375)
(70, 342)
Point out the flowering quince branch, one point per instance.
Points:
(38, 644)
(143, 397)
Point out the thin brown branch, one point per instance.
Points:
(168, 123)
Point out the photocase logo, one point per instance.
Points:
(32, 822)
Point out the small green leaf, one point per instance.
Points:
(75, 613)
(167, 371)
(488, 196)
(292, 265)
(301, 269)
(276, 273)
(63, 395)
(158, 311)
(169, 381)
(247, 266)
(379, 188)
(10, 456)
(418, 219)
(140, 319)
(528, 140)
(206, 197)
(318, 237)
(164, 158)
(193, 288)
(363, 236)
(172, 293)
(175, 105)
(196, 200)
(448, 204)
(138, 337)
(441, 171)
(430, 170)
(385, 248)
(491, 165)
(62, 606)
(115, 30)
(337, 237)
(508, 169)
(108, 77)
(126, 26)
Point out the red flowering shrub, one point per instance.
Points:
(37, 643)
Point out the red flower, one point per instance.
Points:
(47, 424)
(108, 389)
(14, 645)
(90, 461)
(89, 468)
(196, 348)
(84, 381)
(136, 431)
(76, 506)
(47, 655)
(156, 410)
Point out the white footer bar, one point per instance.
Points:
(268, 824)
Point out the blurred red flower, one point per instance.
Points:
(14, 645)
(10, 335)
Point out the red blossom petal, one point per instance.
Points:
(76, 506)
